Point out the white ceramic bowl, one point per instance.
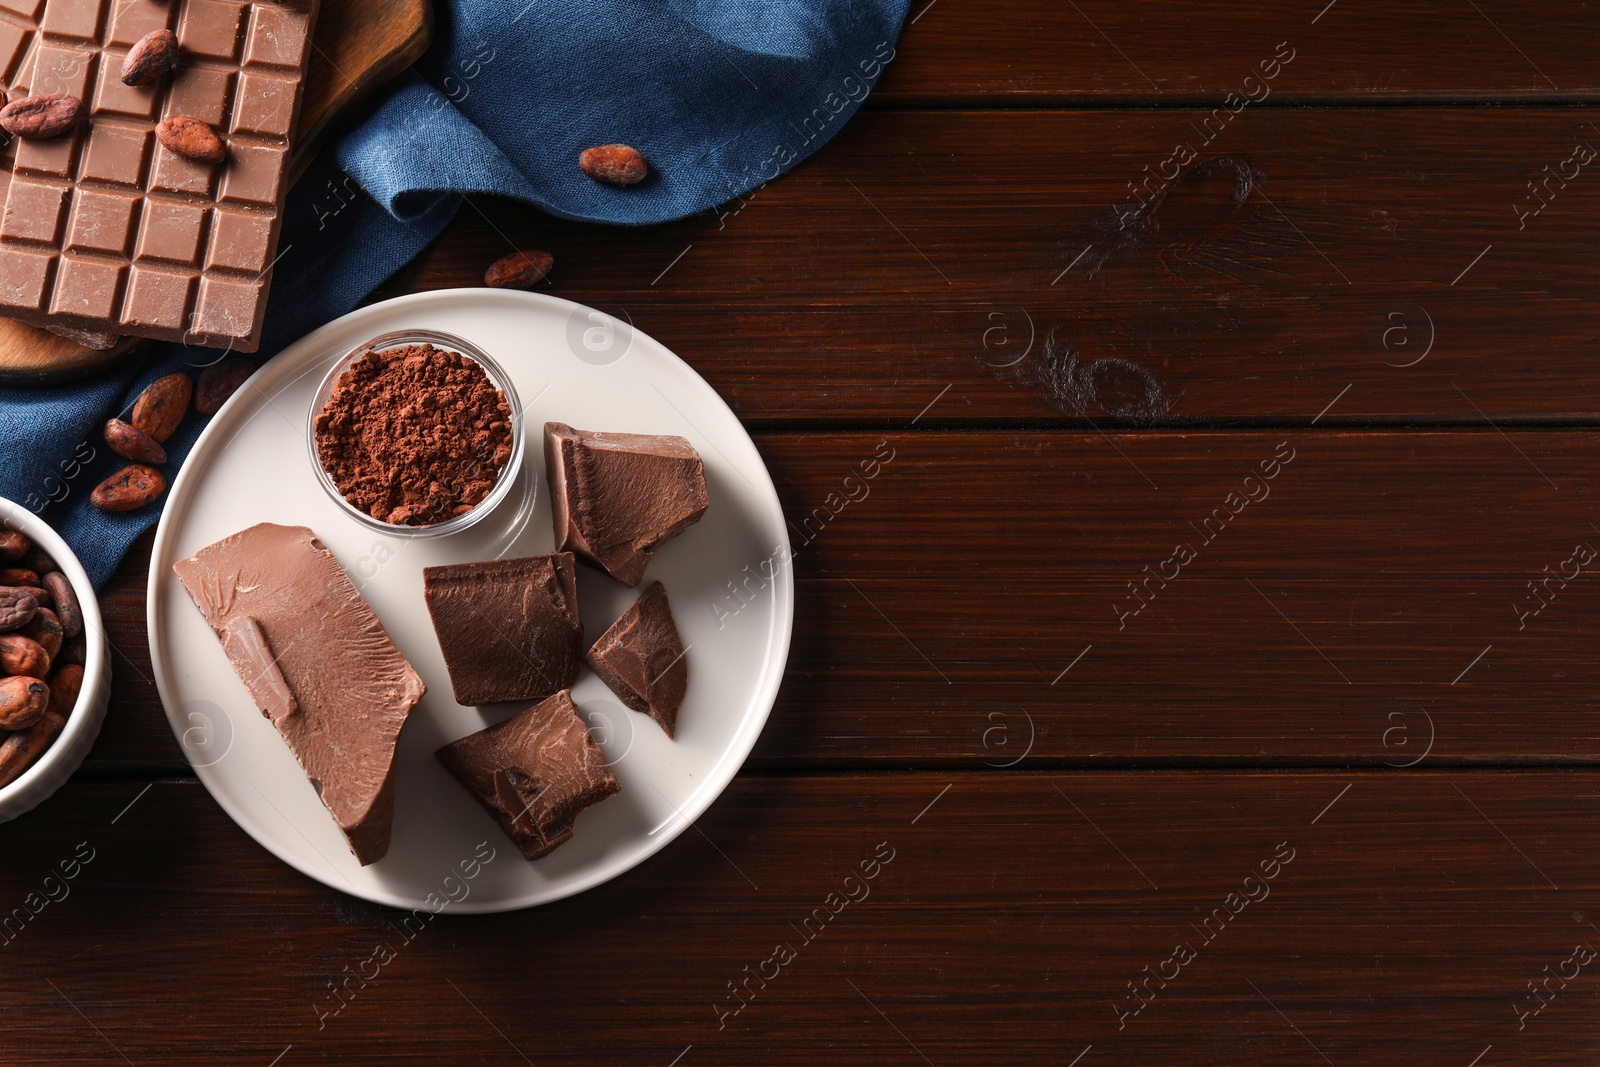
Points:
(52, 769)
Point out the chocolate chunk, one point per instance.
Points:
(618, 496)
(317, 662)
(534, 772)
(642, 658)
(509, 629)
(104, 231)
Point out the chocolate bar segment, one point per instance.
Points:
(534, 773)
(317, 662)
(103, 229)
(615, 497)
(642, 658)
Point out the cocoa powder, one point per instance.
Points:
(414, 435)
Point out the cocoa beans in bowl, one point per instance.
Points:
(55, 670)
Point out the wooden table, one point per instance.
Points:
(1215, 659)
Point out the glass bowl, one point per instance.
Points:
(497, 377)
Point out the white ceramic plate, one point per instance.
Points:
(570, 364)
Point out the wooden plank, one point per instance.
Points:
(359, 46)
(1396, 917)
(924, 252)
(1346, 615)
(1012, 52)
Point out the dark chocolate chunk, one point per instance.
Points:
(642, 658)
(618, 496)
(509, 629)
(534, 772)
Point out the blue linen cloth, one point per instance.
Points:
(721, 96)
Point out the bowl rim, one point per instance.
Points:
(95, 661)
(509, 474)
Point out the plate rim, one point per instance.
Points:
(721, 773)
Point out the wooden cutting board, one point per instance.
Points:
(359, 45)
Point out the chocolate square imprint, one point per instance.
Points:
(153, 251)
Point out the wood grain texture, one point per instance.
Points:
(1013, 912)
(1351, 51)
(983, 252)
(359, 45)
(1344, 615)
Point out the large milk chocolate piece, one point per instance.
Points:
(317, 662)
(509, 628)
(104, 229)
(618, 496)
(534, 772)
(642, 658)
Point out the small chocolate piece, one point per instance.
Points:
(642, 658)
(317, 662)
(509, 629)
(618, 496)
(534, 772)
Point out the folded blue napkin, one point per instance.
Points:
(719, 95)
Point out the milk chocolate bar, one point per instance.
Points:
(317, 662)
(104, 229)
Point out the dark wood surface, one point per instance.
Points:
(1073, 774)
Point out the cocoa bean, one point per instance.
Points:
(22, 702)
(39, 118)
(152, 56)
(19, 751)
(13, 545)
(519, 270)
(129, 489)
(17, 607)
(45, 630)
(191, 139)
(75, 651)
(614, 164)
(162, 406)
(220, 381)
(65, 685)
(19, 576)
(66, 602)
(130, 443)
(24, 657)
(37, 560)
